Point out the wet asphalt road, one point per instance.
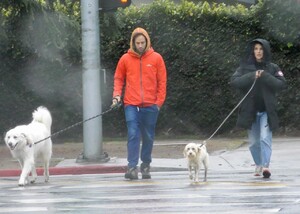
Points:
(167, 192)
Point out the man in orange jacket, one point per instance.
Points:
(141, 73)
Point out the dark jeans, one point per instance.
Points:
(141, 122)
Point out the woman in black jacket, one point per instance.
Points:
(257, 112)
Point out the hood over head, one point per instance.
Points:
(139, 31)
(249, 53)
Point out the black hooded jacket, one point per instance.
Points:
(263, 96)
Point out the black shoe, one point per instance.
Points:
(145, 170)
(266, 173)
(132, 173)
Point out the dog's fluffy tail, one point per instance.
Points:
(42, 115)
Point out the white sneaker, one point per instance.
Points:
(258, 171)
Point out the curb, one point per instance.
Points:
(76, 170)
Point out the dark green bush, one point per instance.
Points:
(202, 45)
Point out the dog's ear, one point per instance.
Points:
(199, 147)
(4, 136)
(184, 152)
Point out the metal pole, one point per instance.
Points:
(92, 130)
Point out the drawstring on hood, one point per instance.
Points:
(135, 33)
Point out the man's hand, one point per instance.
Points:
(115, 102)
(258, 73)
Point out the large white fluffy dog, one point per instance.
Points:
(197, 156)
(24, 145)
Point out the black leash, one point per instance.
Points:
(81, 122)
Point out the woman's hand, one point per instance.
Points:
(258, 73)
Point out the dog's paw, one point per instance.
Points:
(21, 184)
(23, 181)
(191, 177)
(46, 177)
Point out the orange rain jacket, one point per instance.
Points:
(144, 77)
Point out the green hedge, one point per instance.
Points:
(202, 45)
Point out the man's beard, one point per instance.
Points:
(140, 52)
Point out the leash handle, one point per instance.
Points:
(117, 105)
(116, 102)
(252, 86)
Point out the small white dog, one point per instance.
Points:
(197, 156)
(24, 145)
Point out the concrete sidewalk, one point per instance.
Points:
(285, 156)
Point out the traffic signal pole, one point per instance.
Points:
(92, 130)
(91, 68)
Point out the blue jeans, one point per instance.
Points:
(141, 123)
(260, 138)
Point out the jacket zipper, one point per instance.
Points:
(141, 83)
